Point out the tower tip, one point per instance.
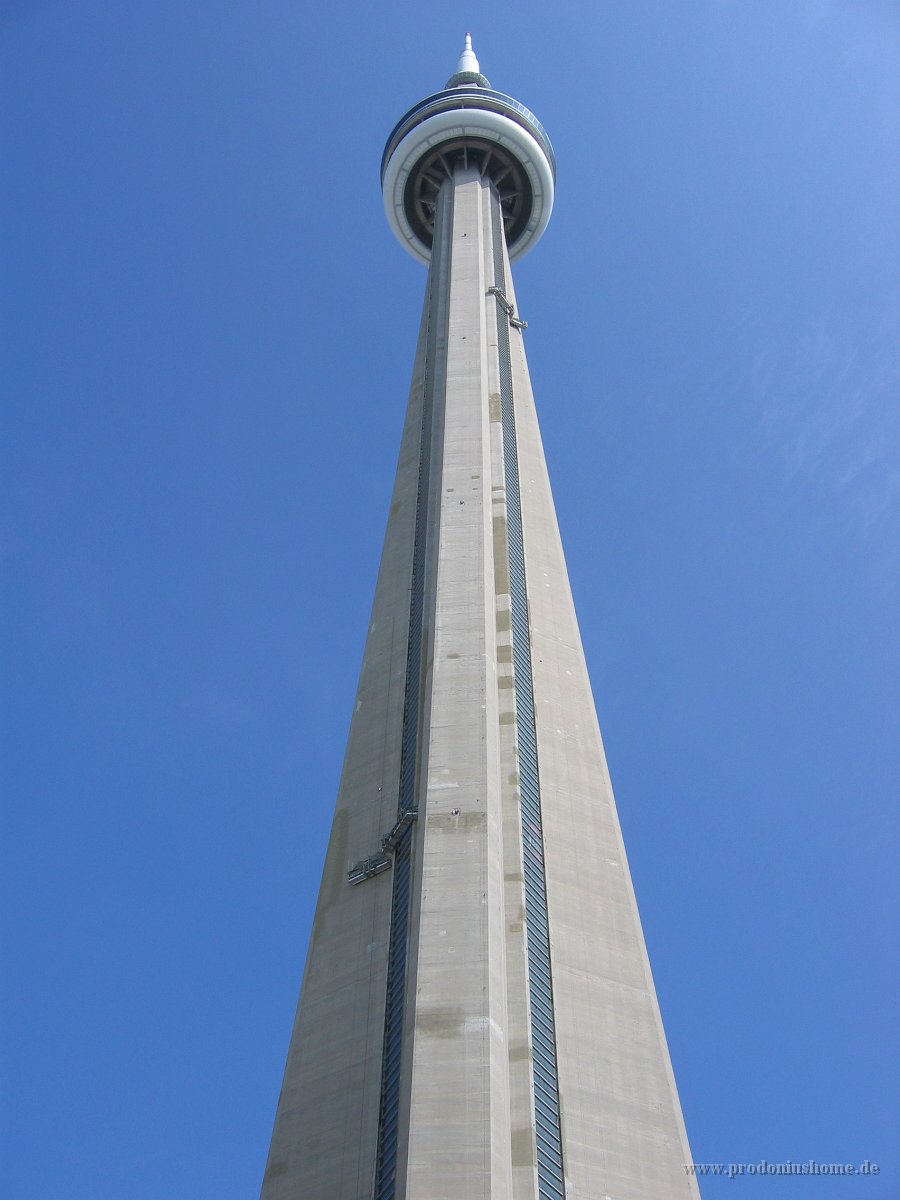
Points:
(468, 63)
(467, 72)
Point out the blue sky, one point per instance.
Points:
(207, 339)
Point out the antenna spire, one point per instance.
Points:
(467, 60)
(468, 72)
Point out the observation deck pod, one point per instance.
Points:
(468, 122)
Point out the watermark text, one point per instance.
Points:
(763, 1167)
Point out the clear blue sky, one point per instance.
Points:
(207, 341)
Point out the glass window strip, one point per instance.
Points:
(389, 1107)
(551, 1177)
(545, 1142)
(545, 1113)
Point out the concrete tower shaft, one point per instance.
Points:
(477, 1017)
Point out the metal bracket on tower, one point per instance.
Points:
(376, 863)
(507, 306)
(390, 840)
(367, 867)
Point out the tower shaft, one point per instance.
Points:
(477, 1017)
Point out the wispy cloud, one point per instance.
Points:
(831, 402)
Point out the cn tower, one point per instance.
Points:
(477, 1017)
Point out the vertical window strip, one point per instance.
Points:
(551, 1178)
(389, 1108)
